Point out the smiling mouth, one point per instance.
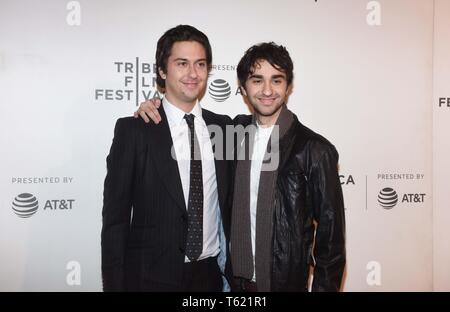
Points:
(267, 100)
(191, 84)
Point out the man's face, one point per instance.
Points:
(187, 73)
(266, 90)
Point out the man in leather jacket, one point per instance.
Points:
(290, 216)
(288, 211)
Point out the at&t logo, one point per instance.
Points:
(25, 205)
(388, 198)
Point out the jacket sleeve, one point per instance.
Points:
(117, 206)
(328, 210)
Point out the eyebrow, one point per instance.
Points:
(273, 77)
(186, 60)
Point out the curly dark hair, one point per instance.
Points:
(276, 55)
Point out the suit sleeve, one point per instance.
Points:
(117, 206)
(328, 209)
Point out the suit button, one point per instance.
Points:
(182, 250)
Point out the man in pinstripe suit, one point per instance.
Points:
(166, 212)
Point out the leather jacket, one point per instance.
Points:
(309, 220)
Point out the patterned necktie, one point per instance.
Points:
(194, 244)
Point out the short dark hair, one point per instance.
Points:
(176, 34)
(276, 55)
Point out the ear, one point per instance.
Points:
(244, 93)
(289, 89)
(162, 73)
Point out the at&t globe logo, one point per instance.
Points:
(387, 198)
(219, 90)
(25, 205)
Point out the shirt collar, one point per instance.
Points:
(175, 116)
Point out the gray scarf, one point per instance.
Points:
(241, 244)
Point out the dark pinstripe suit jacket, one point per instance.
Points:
(144, 213)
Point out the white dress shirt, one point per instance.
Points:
(182, 151)
(262, 136)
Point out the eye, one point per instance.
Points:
(201, 64)
(256, 81)
(182, 64)
(277, 81)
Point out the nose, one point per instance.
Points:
(192, 71)
(267, 89)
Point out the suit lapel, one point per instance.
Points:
(161, 143)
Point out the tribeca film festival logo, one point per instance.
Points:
(388, 197)
(139, 82)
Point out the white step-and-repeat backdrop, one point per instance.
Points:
(365, 72)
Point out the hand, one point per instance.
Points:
(149, 109)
